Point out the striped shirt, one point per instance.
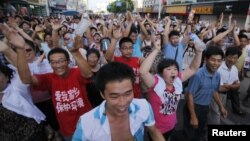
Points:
(94, 125)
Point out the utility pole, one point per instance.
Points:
(159, 12)
(126, 5)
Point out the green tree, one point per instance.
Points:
(125, 5)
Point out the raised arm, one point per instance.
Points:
(81, 62)
(55, 37)
(235, 35)
(230, 19)
(188, 30)
(166, 30)
(146, 76)
(22, 65)
(195, 64)
(129, 22)
(13, 24)
(206, 32)
(143, 29)
(220, 36)
(220, 20)
(9, 53)
(151, 23)
(117, 34)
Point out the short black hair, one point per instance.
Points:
(147, 23)
(98, 24)
(111, 72)
(93, 51)
(242, 36)
(8, 72)
(133, 29)
(213, 50)
(123, 40)
(164, 63)
(58, 50)
(93, 28)
(221, 30)
(32, 45)
(17, 16)
(23, 23)
(46, 34)
(149, 32)
(233, 51)
(173, 33)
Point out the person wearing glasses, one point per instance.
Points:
(68, 44)
(66, 85)
(126, 49)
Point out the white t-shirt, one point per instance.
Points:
(247, 59)
(17, 98)
(228, 76)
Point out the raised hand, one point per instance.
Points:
(56, 25)
(167, 20)
(230, 16)
(13, 37)
(77, 44)
(129, 17)
(191, 16)
(221, 16)
(117, 34)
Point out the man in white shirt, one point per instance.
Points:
(120, 117)
(229, 84)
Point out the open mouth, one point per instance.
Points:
(172, 78)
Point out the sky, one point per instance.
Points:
(96, 5)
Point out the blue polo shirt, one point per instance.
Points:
(170, 51)
(203, 85)
(137, 48)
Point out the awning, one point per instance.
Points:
(203, 9)
(18, 2)
(182, 9)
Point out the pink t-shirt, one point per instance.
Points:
(164, 103)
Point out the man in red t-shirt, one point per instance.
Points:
(66, 85)
(126, 48)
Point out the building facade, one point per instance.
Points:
(209, 10)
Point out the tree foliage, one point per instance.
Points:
(126, 5)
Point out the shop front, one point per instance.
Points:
(203, 12)
(180, 11)
(239, 9)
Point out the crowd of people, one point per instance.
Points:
(94, 77)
